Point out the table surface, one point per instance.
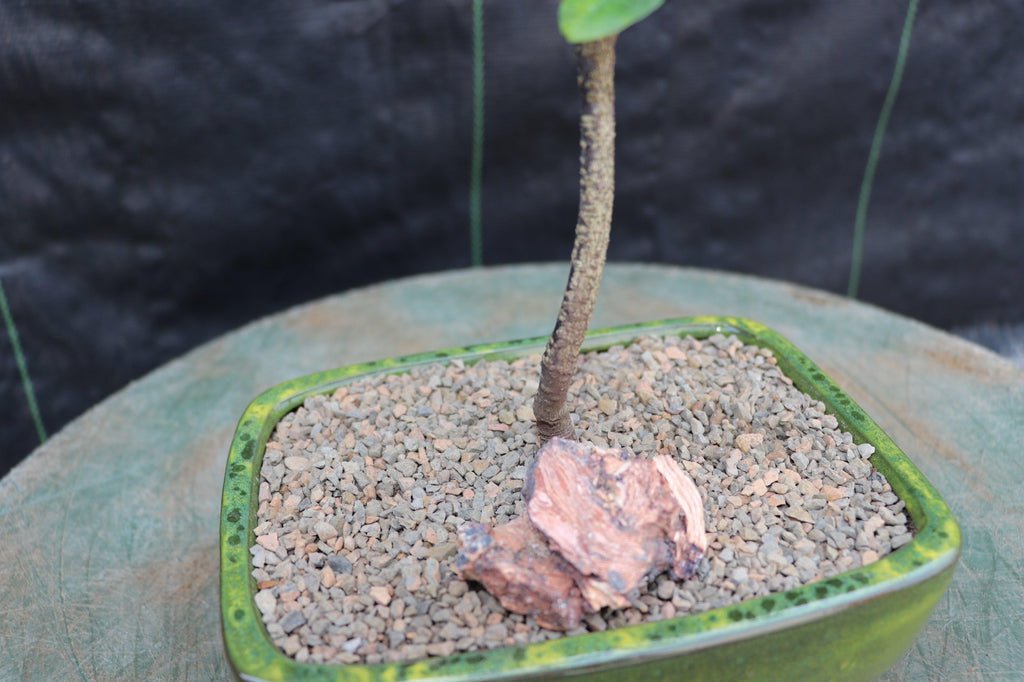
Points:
(108, 539)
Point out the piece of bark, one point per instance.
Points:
(691, 540)
(617, 520)
(513, 563)
(598, 525)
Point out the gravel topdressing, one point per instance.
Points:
(362, 494)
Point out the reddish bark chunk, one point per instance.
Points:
(599, 525)
(514, 564)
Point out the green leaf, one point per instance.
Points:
(584, 20)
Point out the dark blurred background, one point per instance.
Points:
(170, 170)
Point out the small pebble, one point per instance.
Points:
(292, 621)
(268, 541)
(607, 406)
(746, 441)
(799, 514)
(381, 595)
(296, 463)
(265, 602)
(325, 531)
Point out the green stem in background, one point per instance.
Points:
(859, 223)
(19, 359)
(476, 236)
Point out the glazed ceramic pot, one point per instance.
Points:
(849, 627)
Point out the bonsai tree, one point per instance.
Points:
(593, 26)
(597, 523)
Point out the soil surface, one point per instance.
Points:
(363, 491)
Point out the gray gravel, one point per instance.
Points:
(363, 491)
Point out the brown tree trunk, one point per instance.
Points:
(597, 190)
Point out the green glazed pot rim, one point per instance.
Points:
(934, 549)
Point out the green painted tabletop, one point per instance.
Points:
(108, 533)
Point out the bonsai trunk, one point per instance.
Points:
(597, 188)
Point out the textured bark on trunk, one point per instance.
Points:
(597, 190)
